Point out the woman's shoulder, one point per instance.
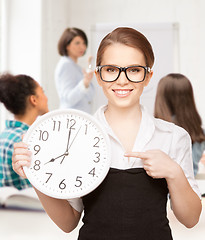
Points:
(163, 125)
(64, 66)
(67, 63)
(65, 60)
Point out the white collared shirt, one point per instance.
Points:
(153, 134)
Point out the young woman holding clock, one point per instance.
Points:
(150, 158)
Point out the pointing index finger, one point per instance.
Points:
(142, 155)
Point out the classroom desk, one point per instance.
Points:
(24, 225)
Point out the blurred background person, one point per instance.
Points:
(175, 103)
(202, 160)
(74, 85)
(25, 99)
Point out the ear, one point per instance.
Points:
(33, 100)
(97, 75)
(149, 76)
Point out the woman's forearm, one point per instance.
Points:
(60, 211)
(185, 203)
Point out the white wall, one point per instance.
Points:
(55, 18)
(20, 40)
(23, 37)
(34, 27)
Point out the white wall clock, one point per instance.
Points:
(70, 153)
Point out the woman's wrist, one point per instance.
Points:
(174, 173)
(86, 83)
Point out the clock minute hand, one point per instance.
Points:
(68, 147)
(75, 137)
(69, 134)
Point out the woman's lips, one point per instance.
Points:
(122, 92)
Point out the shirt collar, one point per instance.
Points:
(16, 124)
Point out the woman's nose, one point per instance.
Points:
(122, 79)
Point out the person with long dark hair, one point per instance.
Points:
(175, 103)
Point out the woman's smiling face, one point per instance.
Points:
(123, 93)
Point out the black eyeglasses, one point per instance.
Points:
(110, 73)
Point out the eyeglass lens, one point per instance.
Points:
(111, 73)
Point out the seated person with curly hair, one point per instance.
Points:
(25, 99)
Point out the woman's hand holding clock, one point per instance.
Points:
(21, 157)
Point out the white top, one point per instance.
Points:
(153, 134)
(70, 87)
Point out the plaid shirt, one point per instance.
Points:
(11, 134)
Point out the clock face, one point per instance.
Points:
(70, 153)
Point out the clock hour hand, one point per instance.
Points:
(53, 159)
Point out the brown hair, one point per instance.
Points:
(175, 103)
(67, 37)
(15, 90)
(129, 37)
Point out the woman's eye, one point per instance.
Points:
(111, 70)
(133, 70)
